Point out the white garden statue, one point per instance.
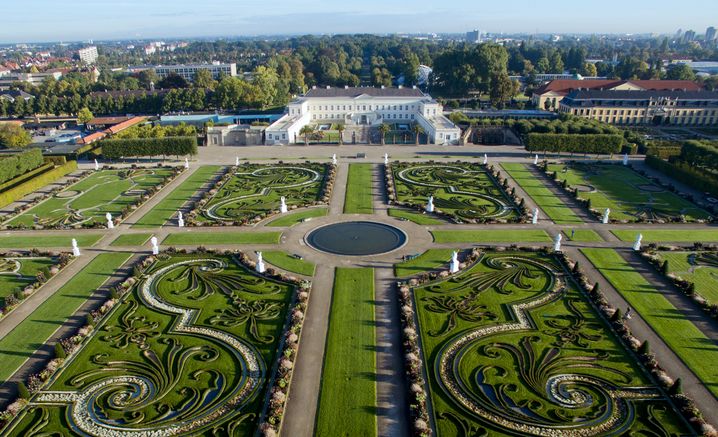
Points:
(155, 247)
(557, 243)
(334, 159)
(186, 163)
(236, 161)
(75, 249)
(283, 205)
(110, 224)
(625, 159)
(386, 159)
(536, 159)
(454, 265)
(637, 243)
(606, 213)
(534, 218)
(97, 165)
(430, 204)
(260, 263)
(486, 159)
(180, 220)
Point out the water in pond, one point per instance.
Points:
(356, 238)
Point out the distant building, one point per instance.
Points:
(88, 55)
(189, 71)
(12, 95)
(689, 36)
(361, 109)
(625, 107)
(710, 34)
(473, 36)
(235, 135)
(32, 78)
(556, 90)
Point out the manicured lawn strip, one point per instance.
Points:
(23, 341)
(169, 206)
(420, 219)
(703, 274)
(297, 217)
(541, 195)
(29, 267)
(131, 240)
(695, 349)
(358, 199)
(668, 235)
(65, 240)
(491, 236)
(194, 238)
(429, 260)
(284, 261)
(347, 400)
(583, 235)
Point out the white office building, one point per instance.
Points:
(88, 55)
(189, 71)
(361, 110)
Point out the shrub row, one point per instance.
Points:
(131, 147)
(16, 165)
(699, 153)
(592, 143)
(662, 149)
(19, 191)
(685, 173)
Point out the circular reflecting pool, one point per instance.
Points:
(356, 238)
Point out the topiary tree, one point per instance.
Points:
(664, 267)
(645, 348)
(22, 391)
(616, 315)
(60, 351)
(676, 388)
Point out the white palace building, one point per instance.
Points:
(361, 110)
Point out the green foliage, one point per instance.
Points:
(700, 154)
(19, 191)
(84, 116)
(358, 198)
(16, 165)
(22, 391)
(60, 351)
(677, 387)
(588, 143)
(157, 131)
(685, 173)
(13, 136)
(645, 348)
(118, 148)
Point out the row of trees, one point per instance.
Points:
(13, 136)
(19, 164)
(157, 131)
(557, 143)
(701, 154)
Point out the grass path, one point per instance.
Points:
(297, 217)
(429, 260)
(418, 218)
(541, 194)
(358, 199)
(347, 399)
(289, 263)
(223, 238)
(24, 340)
(131, 240)
(56, 240)
(491, 236)
(169, 206)
(668, 235)
(695, 349)
(582, 235)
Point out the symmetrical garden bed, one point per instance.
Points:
(511, 346)
(464, 192)
(252, 192)
(630, 196)
(21, 273)
(85, 203)
(191, 349)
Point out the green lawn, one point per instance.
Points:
(429, 260)
(582, 235)
(358, 199)
(668, 235)
(84, 239)
(26, 338)
(347, 400)
(284, 261)
(197, 238)
(170, 204)
(18, 272)
(131, 240)
(541, 195)
(297, 217)
(418, 218)
(629, 195)
(698, 351)
(701, 268)
(88, 200)
(492, 236)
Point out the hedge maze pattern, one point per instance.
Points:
(188, 351)
(512, 348)
(464, 191)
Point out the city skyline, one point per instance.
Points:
(78, 20)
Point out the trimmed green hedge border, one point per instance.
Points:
(9, 196)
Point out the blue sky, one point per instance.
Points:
(68, 20)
